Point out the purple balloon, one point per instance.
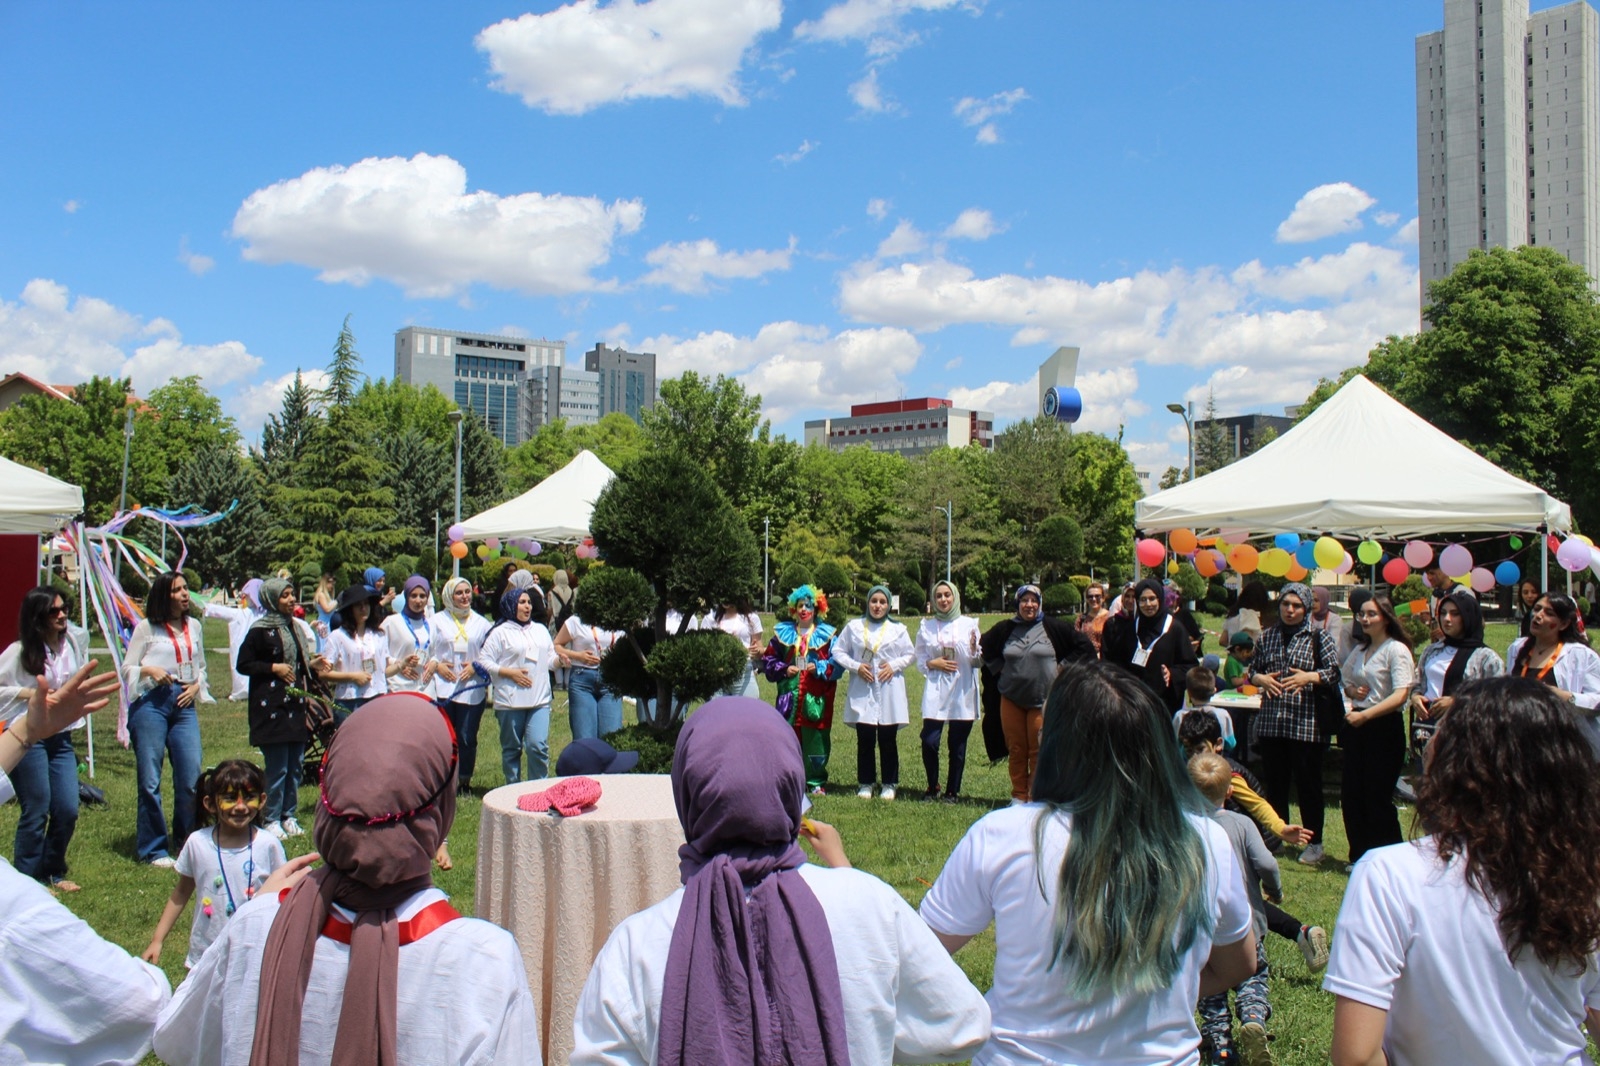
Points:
(457, 532)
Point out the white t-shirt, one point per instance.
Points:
(588, 638)
(462, 995)
(1415, 940)
(456, 643)
(992, 876)
(875, 702)
(949, 697)
(905, 999)
(239, 620)
(408, 637)
(513, 647)
(746, 627)
(368, 652)
(241, 872)
(1387, 671)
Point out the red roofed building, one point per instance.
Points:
(14, 387)
(910, 427)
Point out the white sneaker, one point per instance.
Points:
(864, 792)
(275, 830)
(291, 828)
(163, 862)
(1312, 856)
(887, 793)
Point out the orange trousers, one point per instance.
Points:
(1021, 726)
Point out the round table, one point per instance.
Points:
(561, 885)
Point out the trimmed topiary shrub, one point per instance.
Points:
(1062, 598)
(654, 745)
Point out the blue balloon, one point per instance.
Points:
(1306, 554)
(1507, 573)
(1289, 542)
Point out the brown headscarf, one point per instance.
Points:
(387, 801)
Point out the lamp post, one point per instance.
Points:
(766, 555)
(1188, 424)
(455, 420)
(949, 525)
(127, 446)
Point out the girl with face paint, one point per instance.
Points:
(799, 660)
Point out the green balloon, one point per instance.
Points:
(1369, 552)
(1516, 543)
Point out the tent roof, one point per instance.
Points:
(1362, 464)
(556, 509)
(34, 502)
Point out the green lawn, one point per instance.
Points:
(904, 842)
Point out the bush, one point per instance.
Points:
(397, 570)
(614, 597)
(833, 580)
(1191, 586)
(623, 671)
(1412, 588)
(911, 608)
(1083, 581)
(697, 665)
(654, 745)
(1062, 598)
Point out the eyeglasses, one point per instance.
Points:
(55, 612)
(249, 799)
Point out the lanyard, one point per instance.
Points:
(1166, 624)
(872, 649)
(222, 876)
(423, 637)
(595, 635)
(1547, 666)
(187, 640)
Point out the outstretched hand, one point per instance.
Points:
(84, 693)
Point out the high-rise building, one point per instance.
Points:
(627, 380)
(482, 372)
(1508, 133)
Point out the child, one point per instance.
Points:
(1199, 733)
(1214, 778)
(228, 861)
(1236, 667)
(1199, 685)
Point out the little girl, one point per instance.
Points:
(228, 861)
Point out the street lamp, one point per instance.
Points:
(455, 420)
(1188, 424)
(949, 524)
(127, 446)
(766, 555)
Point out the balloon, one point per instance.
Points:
(1573, 555)
(1297, 573)
(1349, 564)
(482, 551)
(457, 533)
(1418, 554)
(1482, 580)
(1328, 552)
(1306, 555)
(1286, 542)
(534, 547)
(1396, 571)
(1369, 552)
(1150, 551)
(458, 549)
(1554, 542)
(1244, 559)
(1455, 561)
(1516, 543)
(1183, 541)
(1586, 540)
(1235, 535)
(1205, 563)
(1507, 573)
(1275, 562)
(1172, 567)
(494, 543)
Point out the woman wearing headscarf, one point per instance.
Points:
(456, 642)
(762, 958)
(947, 654)
(799, 660)
(410, 633)
(1291, 658)
(1024, 654)
(519, 656)
(363, 961)
(251, 608)
(1446, 664)
(875, 650)
(1155, 647)
(277, 655)
(378, 582)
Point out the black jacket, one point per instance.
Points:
(1064, 637)
(1119, 642)
(276, 717)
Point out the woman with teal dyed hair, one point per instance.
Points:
(1118, 859)
(799, 660)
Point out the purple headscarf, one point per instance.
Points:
(252, 592)
(750, 978)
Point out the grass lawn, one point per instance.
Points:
(904, 842)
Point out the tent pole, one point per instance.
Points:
(83, 611)
(1544, 558)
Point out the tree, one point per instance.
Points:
(234, 550)
(714, 424)
(337, 496)
(1101, 493)
(344, 372)
(1058, 544)
(962, 479)
(284, 435)
(421, 475)
(1032, 460)
(1212, 449)
(615, 440)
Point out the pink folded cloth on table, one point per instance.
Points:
(568, 797)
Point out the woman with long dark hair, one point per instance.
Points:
(358, 651)
(46, 778)
(1378, 677)
(1556, 652)
(1446, 664)
(1527, 596)
(1118, 860)
(1477, 942)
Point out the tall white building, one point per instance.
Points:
(1508, 133)
(485, 373)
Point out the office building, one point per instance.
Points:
(1243, 432)
(627, 380)
(482, 372)
(561, 392)
(910, 427)
(1508, 133)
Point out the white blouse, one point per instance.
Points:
(1388, 670)
(177, 649)
(949, 697)
(408, 638)
(510, 647)
(588, 638)
(876, 702)
(368, 653)
(58, 670)
(456, 643)
(746, 627)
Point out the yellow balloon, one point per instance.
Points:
(1172, 567)
(1329, 553)
(1275, 562)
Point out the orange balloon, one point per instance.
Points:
(459, 550)
(1183, 541)
(1244, 558)
(1206, 564)
(1297, 573)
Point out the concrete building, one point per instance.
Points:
(627, 380)
(910, 427)
(1508, 133)
(561, 392)
(482, 372)
(1243, 432)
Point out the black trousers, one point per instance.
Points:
(959, 731)
(1282, 922)
(1299, 761)
(1374, 755)
(872, 739)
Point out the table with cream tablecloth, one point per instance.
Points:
(561, 885)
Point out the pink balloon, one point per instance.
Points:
(1482, 579)
(1235, 535)
(1346, 566)
(1455, 561)
(1418, 554)
(494, 543)
(1150, 552)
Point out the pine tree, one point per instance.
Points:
(1212, 448)
(483, 466)
(344, 373)
(284, 435)
(233, 550)
(337, 496)
(420, 472)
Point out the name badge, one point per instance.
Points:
(947, 653)
(185, 673)
(1141, 655)
(369, 666)
(533, 655)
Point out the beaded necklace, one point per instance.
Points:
(221, 880)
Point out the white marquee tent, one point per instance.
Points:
(557, 509)
(1360, 465)
(34, 502)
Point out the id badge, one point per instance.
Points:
(532, 655)
(369, 666)
(947, 653)
(1141, 655)
(186, 673)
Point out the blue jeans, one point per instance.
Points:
(282, 763)
(524, 731)
(160, 727)
(593, 709)
(746, 685)
(465, 719)
(46, 781)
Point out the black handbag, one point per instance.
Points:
(1327, 701)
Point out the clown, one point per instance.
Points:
(799, 660)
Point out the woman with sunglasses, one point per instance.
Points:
(1092, 619)
(46, 779)
(1378, 677)
(1556, 653)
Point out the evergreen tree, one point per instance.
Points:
(233, 550)
(1213, 449)
(284, 436)
(420, 472)
(483, 466)
(337, 496)
(344, 373)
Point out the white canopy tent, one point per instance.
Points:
(556, 509)
(1360, 465)
(35, 502)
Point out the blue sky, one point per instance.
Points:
(838, 201)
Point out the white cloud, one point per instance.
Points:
(581, 56)
(795, 367)
(198, 264)
(790, 158)
(413, 222)
(868, 95)
(878, 208)
(1385, 218)
(251, 404)
(975, 112)
(1323, 212)
(1406, 236)
(905, 240)
(880, 23)
(973, 224)
(1107, 398)
(71, 207)
(687, 266)
(59, 339)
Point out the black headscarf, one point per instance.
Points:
(1149, 628)
(1470, 640)
(1359, 598)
